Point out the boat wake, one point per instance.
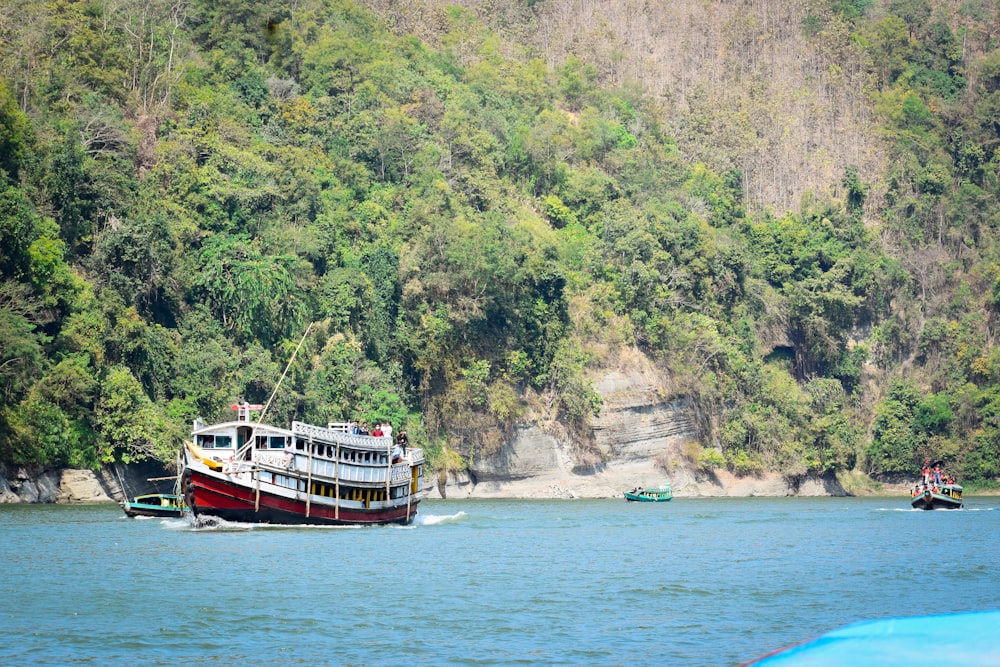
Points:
(899, 509)
(917, 509)
(206, 524)
(210, 524)
(435, 519)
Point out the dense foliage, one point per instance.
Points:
(186, 186)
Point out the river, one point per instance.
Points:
(485, 582)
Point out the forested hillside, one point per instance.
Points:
(792, 211)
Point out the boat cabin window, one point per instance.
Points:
(270, 442)
(215, 441)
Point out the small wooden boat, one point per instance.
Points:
(155, 504)
(650, 494)
(947, 496)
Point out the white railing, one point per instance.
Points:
(380, 443)
(346, 472)
(400, 472)
(237, 467)
(278, 459)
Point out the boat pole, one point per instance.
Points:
(121, 483)
(309, 477)
(256, 499)
(409, 495)
(284, 373)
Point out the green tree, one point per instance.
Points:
(895, 445)
(127, 422)
(16, 137)
(254, 295)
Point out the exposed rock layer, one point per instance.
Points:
(638, 440)
(33, 484)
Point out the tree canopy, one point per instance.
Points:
(186, 186)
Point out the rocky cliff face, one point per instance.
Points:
(31, 484)
(638, 439)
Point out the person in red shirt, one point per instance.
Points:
(927, 471)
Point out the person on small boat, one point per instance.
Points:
(926, 470)
(937, 472)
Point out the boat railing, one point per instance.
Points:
(276, 459)
(236, 467)
(400, 472)
(299, 464)
(334, 436)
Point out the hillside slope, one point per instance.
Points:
(787, 213)
(776, 89)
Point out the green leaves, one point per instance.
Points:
(15, 136)
(126, 419)
(254, 295)
(476, 234)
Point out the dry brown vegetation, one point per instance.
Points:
(740, 83)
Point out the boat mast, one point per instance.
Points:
(253, 431)
(285, 372)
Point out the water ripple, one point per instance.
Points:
(699, 582)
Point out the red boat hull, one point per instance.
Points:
(210, 496)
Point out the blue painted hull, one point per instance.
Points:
(967, 640)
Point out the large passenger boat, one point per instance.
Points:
(248, 471)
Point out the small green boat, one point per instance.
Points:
(155, 504)
(650, 494)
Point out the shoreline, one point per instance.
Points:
(73, 486)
